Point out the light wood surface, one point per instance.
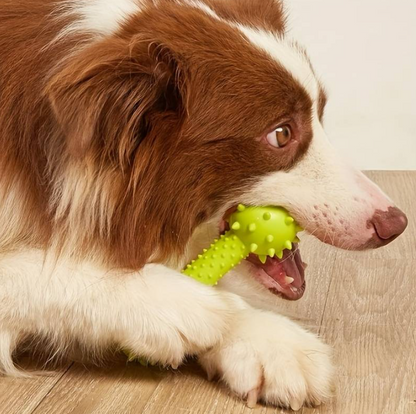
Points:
(363, 304)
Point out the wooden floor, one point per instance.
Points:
(363, 304)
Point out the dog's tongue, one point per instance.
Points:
(284, 276)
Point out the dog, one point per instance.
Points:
(129, 129)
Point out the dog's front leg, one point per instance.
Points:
(156, 313)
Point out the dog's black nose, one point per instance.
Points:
(388, 225)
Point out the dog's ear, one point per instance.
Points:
(109, 96)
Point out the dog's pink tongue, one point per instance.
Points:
(285, 276)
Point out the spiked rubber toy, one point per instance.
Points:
(264, 231)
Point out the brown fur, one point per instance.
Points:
(150, 129)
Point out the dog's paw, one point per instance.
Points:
(266, 357)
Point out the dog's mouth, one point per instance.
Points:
(284, 277)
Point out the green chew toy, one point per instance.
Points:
(265, 231)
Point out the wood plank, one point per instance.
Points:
(23, 395)
(91, 390)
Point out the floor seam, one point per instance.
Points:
(52, 388)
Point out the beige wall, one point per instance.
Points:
(365, 52)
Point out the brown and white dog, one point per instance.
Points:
(128, 128)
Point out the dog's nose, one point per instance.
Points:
(389, 224)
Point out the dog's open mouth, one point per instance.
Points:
(285, 276)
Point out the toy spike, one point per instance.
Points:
(289, 220)
(264, 231)
(252, 227)
(263, 258)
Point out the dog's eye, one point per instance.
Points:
(280, 137)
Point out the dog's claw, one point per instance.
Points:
(211, 373)
(296, 405)
(252, 398)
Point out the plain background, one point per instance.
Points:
(365, 54)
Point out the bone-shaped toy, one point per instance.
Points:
(264, 231)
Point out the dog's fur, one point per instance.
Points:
(127, 129)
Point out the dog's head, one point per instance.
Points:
(190, 108)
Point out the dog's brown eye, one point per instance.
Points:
(280, 137)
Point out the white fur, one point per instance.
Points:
(286, 53)
(99, 17)
(202, 6)
(158, 313)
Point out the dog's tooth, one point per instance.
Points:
(289, 280)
